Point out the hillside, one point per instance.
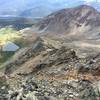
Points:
(73, 21)
(11, 41)
(50, 67)
(60, 61)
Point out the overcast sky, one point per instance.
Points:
(23, 1)
(19, 4)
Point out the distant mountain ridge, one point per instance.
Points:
(38, 8)
(17, 22)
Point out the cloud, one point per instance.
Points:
(98, 0)
(89, 0)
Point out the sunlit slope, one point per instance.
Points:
(8, 34)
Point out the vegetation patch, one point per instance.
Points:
(8, 34)
(4, 56)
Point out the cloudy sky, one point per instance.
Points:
(16, 6)
(19, 4)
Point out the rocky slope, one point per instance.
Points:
(49, 70)
(56, 67)
(73, 21)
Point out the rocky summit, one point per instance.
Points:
(49, 70)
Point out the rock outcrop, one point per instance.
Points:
(44, 71)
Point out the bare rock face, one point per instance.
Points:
(71, 20)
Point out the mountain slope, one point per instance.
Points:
(49, 68)
(56, 67)
(80, 19)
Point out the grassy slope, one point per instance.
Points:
(4, 56)
(7, 34)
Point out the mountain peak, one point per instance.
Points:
(86, 7)
(71, 20)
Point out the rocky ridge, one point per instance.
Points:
(47, 71)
